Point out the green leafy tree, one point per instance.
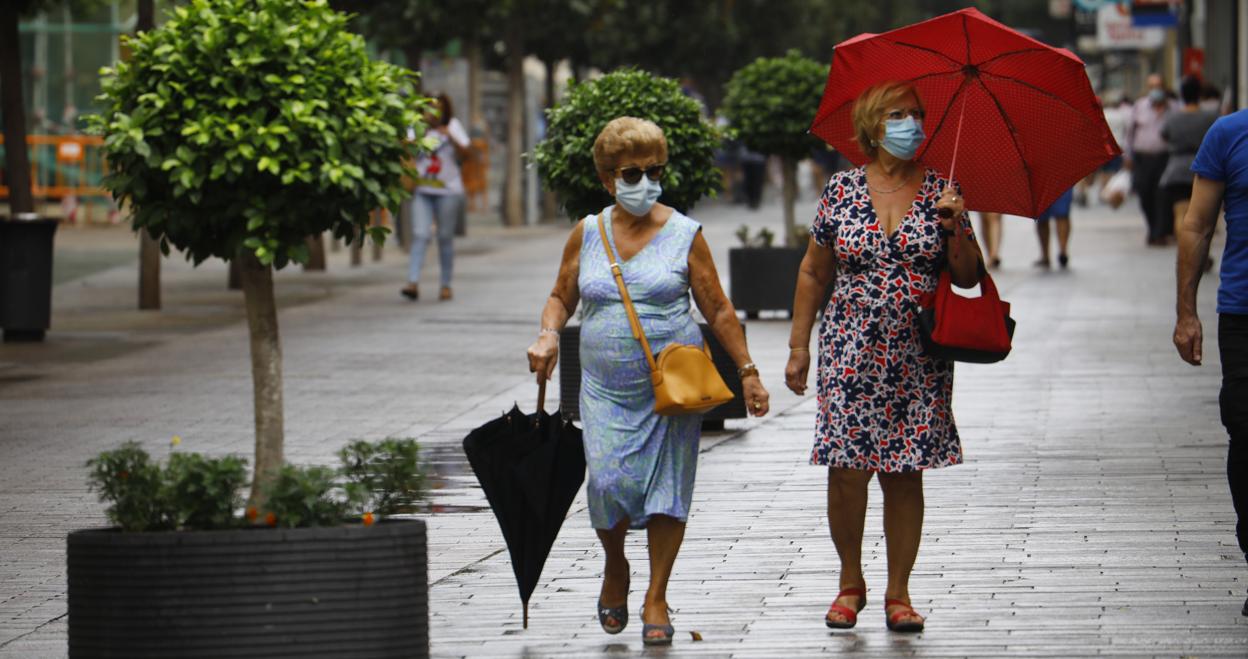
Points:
(770, 104)
(240, 127)
(565, 158)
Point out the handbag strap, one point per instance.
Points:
(988, 289)
(633, 321)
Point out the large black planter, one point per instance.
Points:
(26, 278)
(348, 591)
(763, 278)
(570, 378)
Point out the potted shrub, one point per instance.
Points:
(565, 162)
(236, 130)
(184, 572)
(770, 103)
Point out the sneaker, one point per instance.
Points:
(411, 292)
(1063, 261)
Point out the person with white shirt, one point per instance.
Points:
(1146, 156)
(438, 198)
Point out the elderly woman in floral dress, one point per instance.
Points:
(884, 406)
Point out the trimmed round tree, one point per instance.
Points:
(565, 159)
(770, 104)
(239, 128)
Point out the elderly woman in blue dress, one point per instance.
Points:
(885, 408)
(641, 465)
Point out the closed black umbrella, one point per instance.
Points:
(531, 467)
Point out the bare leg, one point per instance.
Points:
(615, 574)
(847, 512)
(665, 535)
(1063, 239)
(903, 529)
(1042, 232)
(990, 229)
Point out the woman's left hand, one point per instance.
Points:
(951, 200)
(757, 400)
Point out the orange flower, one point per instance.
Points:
(368, 519)
(270, 519)
(252, 513)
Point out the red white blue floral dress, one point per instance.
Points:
(883, 404)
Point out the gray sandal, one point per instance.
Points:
(662, 638)
(618, 613)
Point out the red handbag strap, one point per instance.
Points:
(988, 289)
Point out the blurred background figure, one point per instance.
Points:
(1183, 132)
(439, 198)
(990, 229)
(1059, 214)
(1146, 155)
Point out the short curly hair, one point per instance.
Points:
(624, 136)
(869, 110)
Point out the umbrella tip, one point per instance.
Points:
(526, 615)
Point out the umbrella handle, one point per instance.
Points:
(541, 395)
(945, 212)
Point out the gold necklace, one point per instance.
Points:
(891, 190)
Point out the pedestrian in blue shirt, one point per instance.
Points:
(1221, 177)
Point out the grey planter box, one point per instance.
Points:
(570, 378)
(345, 591)
(763, 278)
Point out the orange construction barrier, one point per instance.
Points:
(62, 167)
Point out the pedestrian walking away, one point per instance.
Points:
(438, 201)
(883, 406)
(1221, 178)
(1146, 156)
(1183, 132)
(990, 229)
(641, 465)
(1058, 214)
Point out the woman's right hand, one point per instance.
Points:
(543, 355)
(796, 370)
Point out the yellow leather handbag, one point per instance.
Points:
(684, 377)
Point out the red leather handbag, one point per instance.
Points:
(957, 328)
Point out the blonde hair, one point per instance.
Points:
(869, 110)
(625, 136)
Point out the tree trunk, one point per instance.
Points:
(234, 281)
(513, 192)
(316, 254)
(149, 271)
(788, 171)
(149, 248)
(16, 160)
(550, 203)
(473, 52)
(266, 370)
(412, 52)
(357, 248)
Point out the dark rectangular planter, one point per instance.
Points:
(570, 378)
(345, 591)
(26, 278)
(763, 278)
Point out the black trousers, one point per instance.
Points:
(1233, 401)
(1146, 179)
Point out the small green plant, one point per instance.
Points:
(189, 492)
(383, 477)
(194, 492)
(305, 496)
(764, 237)
(565, 159)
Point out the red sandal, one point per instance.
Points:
(850, 615)
(904, 609)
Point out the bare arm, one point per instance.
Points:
(1195, 234)
(722, 317)
(544, 353)
(814, 275)
(961, 250)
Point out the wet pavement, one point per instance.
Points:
(1091, 517)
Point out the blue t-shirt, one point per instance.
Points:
(1223, 157)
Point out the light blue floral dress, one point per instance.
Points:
(640, 463)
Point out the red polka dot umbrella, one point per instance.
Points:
(1016, 117)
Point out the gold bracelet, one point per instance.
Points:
(747, 370)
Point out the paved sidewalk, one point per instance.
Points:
(1092, 516)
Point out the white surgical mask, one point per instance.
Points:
(637, 198)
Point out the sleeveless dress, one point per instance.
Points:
(640, 463)
(883, 404)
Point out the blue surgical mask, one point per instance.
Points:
(902, 137)
(1156, 95)
(639, 197)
